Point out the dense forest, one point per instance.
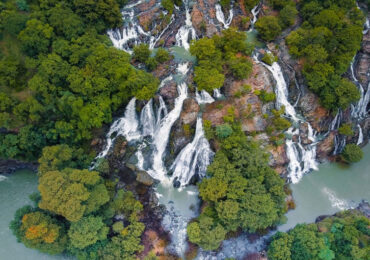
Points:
(342, 236)
(62, 81)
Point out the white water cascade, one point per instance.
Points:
(194, 158)
(359, 110)
(221, 17)
(217, 94)
(255, 11)
(360, 139)
(187, 31)
(302, 159)
(203, 97)
(127, 126)
(160, 141)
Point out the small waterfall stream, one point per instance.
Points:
(221, 17)
(255, 11)
(187, 31)
(302, 158)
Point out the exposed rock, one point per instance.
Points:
(278, 156)
(11, 166)
(325, 147)
(189, 112)
(197, 17)
(144, 178)
(318, 116)
(146, 18)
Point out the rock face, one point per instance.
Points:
(362, 68)
(11, 166)
(189, 112)
(144, 178)
(325, 147)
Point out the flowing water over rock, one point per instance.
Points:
(187, 31)
(302, 158)
(221, 17)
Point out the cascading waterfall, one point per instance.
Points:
(203, 97)
(187, 31)
(133, 31)
(217, 94)
(302, 159)
(194, 158)
(360, 139)
(360, 109)
(221, 17)
(161, 138)
(255, 11)
(127, 126)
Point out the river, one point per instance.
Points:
(14, 192)
(332, 188)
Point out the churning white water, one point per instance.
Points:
(221, 17)
(127, 126)
(217, 94)
(255, 11)
(203, 97)
(360, 139)
(302, 158)
(187, 31)
(194, 158)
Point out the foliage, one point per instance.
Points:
(206, 233)
(269, 58)
(87, 231)
(346, 129)
(268, 27)
(220, 55)
(141, 52)
(162, 55)
(242, 191)
(338, 237)
(36, 229)
(287, 16)
(67, 70)
(352, 153)
(72, 193)
(327, 41)
(266, 96)
(223, 131)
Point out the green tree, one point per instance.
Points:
(72, 193)
(141, 52)
(208, 79)
(87, 231)
(223, 131)
(287, 16)
(36, 37)
(268, 27)
(352, 153)
(346, 129)
(206, 233)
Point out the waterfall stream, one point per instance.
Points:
(221, 17)
(255, 11)
(302, 158)
(187, 31)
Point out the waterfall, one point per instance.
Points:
(281, 90)
(255, 11)
(217, 94)
(360, 109)
(302, 159)
(147, 119)
(187, 30)
(127, 126)
(360, 135)
(162, 135)
(194, 158)
(221, 17)
(203, 97)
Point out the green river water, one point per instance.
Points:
(326, 191)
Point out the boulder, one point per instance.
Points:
(144, 178)
(189, 112)
(325, 147)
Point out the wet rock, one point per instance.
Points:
(189, 112)
(144, 178)
(11, 166)
(176, 184)
(325, 147)
(169, 92)
(278, 156)
(318, 116)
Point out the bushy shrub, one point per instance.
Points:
(352, 153)
(269, 58)
(223, 131)
(141, 52)
(268, 27)
(346, 129)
